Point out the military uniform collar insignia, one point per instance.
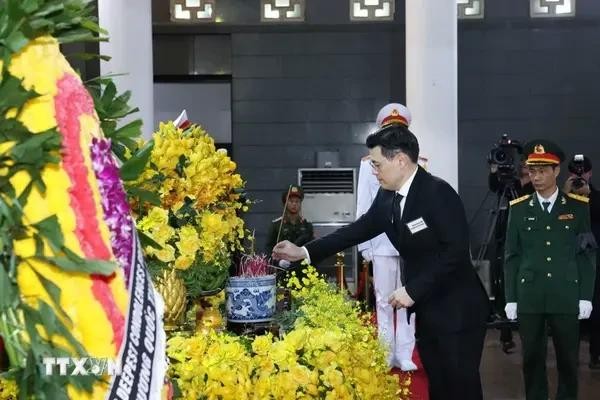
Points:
(563, 201)
(532, 201)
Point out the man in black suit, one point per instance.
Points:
(425, 220)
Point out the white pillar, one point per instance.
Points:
(129, 26)
(431, 82)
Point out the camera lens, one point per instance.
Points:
(500, 157)
(578, 183)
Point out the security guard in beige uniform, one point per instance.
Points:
(549, 272)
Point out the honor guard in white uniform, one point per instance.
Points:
(400, 340)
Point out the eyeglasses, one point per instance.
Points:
(376, 165)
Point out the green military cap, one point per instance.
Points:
(294, 191)
(542, 152)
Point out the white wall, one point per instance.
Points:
(207, 104)
(431, 83)
(129, 25)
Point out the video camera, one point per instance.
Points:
(578, 168)
(506, 154)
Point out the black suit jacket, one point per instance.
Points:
(439, 276)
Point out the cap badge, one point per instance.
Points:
(539, 149)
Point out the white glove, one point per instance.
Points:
(585, 309)
(367, 254)
(511, 311)
(284, 263)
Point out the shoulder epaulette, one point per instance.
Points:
(276, 219)
(519, 199)
(578, 197)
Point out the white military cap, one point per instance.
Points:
(393, 113)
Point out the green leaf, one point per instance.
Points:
(110, 91)
(88, 56)
(49, 9)
(8, 291)
(108, 127)
(39, 244)
(131, 130)
(7, 212)
(94, 27)
(146, 240)
(50, 229)
(144, 195)
(68, 264)
(12, 93)
(24, 196)
(75, 36)
(32, 150)
(133, 167)
(12, 130)
(54, 293)
(119, 151)
(48, 319)
(126, 142)
(181, 164)
(40, 23)
(37, 179)
(16, 41)
(29, 6)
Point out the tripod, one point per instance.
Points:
(495, 231)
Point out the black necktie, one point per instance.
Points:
(396, 210)
(546, 205)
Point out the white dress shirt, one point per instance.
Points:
(551, 199)
(403, 191)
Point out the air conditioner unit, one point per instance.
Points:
(329, 194)
(330, 203)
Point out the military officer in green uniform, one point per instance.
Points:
(292, 226)
(549, 272)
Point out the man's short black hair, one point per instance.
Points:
(393, 139)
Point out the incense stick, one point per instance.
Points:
(283, 214)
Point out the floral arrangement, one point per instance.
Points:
(330, 352)
(64, 226)
(195, 223)
(62, 292)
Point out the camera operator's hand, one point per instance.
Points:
(583, 190)
(511, 311)
(568, 186)
(493, 168)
